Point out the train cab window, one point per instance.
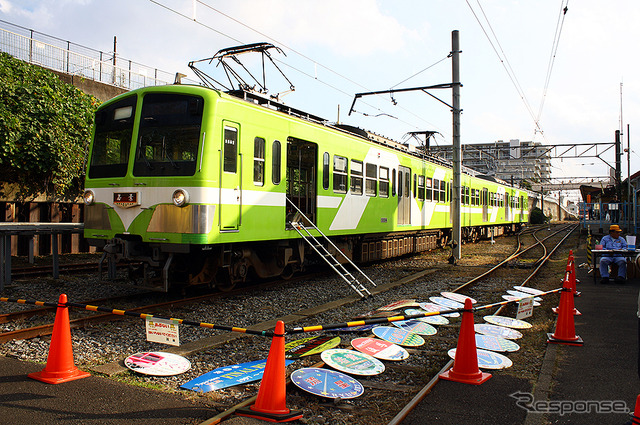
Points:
(258, 161)
(384, 182)
(112, 141)
(393, 183)
(428, 194)
(371, 180)
(325, 170)
(340, 174)
(421, 188)
(169, 135)
(356, 177)
(276, 150)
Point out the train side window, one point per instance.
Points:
(462, 202)
(339, 174)
(393, 182)
(428, 195)
(436, 190)
(400, 183)
(443, 191)
(356, 177)
(407, 186)
(275, 152)
(415, 185)
(421, 188)
(258, 161)
(467, 197)
(384, 182)
(325, 170)
(371, 181)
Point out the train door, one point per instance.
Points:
(404, 193)
(302, 157)
(230, 178)
(485, 204)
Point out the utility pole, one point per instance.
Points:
(618, 164)
(457, 152)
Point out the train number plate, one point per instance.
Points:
(126, 199)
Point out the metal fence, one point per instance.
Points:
(74, 59)
(600, 215)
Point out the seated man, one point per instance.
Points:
(613, 241)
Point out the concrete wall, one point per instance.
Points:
(101, 91)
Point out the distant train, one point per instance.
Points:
(200, 186)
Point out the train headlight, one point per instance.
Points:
(89, 197)
(180, 197)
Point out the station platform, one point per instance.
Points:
(603, 372)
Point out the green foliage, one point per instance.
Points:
(45, 129)
(537, 216)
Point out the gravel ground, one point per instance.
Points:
(112, 342)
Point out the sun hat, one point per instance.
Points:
(614, 228)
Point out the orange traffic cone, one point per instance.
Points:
(271, 403)
(565, 327)
(60, 367)
(572, 277)
(635, 419)
(465, 365)
(572, 307)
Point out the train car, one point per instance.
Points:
(199, 186)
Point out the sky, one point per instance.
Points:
(529, 70)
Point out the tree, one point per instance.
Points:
(45, 130)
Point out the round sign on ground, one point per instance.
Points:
(398, 336)
(501, 331)
(157, 363)
(327, 383)
(380, 349)
(495, 343)
(488, 359)
(352, 362)
(508, 322)
(432, 307)
(432, 320)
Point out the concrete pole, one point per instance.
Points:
(457, 153)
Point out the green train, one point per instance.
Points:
(200, 186)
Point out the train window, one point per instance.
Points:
(467, 197)
(325, 171)
(393, 183)
(384, 182)
(258, 161)
(169, 135)
(436, 190)
(407, 187)
(339, 174)
(112, 141)
(421, 188)
(400, 182)
(356, 177)
(428, 195)
(443, 191)
(415, 185)
(275, 161)
(462, 195)
(230, 150)
(371, 181)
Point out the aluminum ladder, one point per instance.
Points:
(319, 248)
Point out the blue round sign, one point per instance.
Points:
(327, 383)
(501, 331)
(398, 336)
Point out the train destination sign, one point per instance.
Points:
(433, 320)
(228, 376)
(398, 336)
(501, 331)
(380, 349)
(126, 200)
(327, 383)
(157, 363)
(352, 361)
(509, 322)
(488, 359)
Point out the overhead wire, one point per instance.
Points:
(350, 95)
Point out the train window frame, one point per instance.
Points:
(421, 187)
(356, 181)
(436, 190)
(467, 195)
(383, 185)
(259, 161)
(276, 161)
(326, 159)
(428, 193)
(462, 202)
(371, 179)
(443, 191)
(340, 174)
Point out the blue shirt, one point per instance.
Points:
(610, 243)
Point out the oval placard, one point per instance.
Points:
(488, 359)
(457, 297)
(437, 307)
(446, 302)
(327, 383)
(433, 320)
(380, 349)
(352, 361)
(416, 327)
(157, 363)
(495, 343)
(522, 295)
(398, 336)
(501, 331)
(512, 298)
(532, 291)
(509, 322)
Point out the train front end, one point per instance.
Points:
(145, 190)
